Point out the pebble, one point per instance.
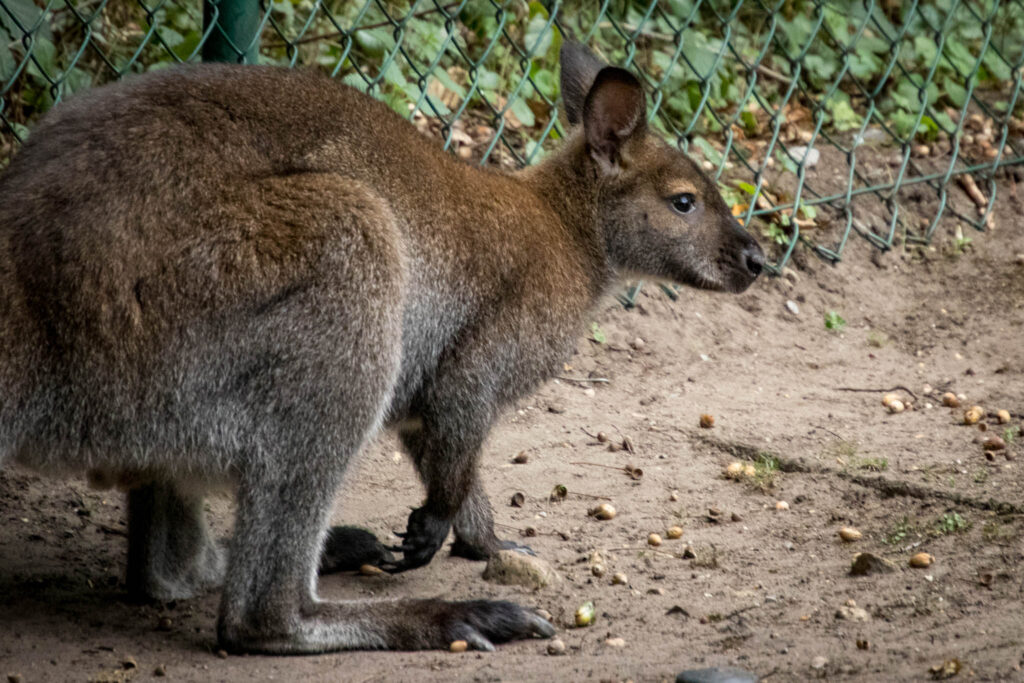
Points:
(615, 642)
(129, 663)
(164, 624)
(993, 443)
(522, 457)
(867, 563)
(792, 307)
(223, 654)
(598, 570)
(674, 496)
(819, 663)
(921, 560)
(849, 534)
(950, 399)
(973, 415)
(604, 512)
(458, 646)
(589, 391)
(654, 539)
(707, 421)
(896, 406)
(812, 154)
(1003, 415)
(781, 505)
(674, 532)
(725, 674)
(160, 671)
(852, 613)
(638, 344)
(556, 647)
(511, 568)
(15, 678)
(619, 579)
(1020, 259)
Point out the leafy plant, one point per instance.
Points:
(834, 321)
(951, 523)
(597, 334)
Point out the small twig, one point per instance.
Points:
(830, 432)
(875, 391)
(584, 380)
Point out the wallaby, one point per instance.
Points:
(235, 274)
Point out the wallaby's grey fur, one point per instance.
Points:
(239, 274)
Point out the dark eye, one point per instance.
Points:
(684, 203)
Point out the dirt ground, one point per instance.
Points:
(764, 588)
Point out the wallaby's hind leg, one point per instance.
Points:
(171, 555)
(474, 528)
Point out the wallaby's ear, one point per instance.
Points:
(614, 111)
(579, 69)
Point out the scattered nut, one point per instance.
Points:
(889, 398)
(518, 498)
(556, 647)
(707, 421)
(604, 512)
(598, 570)
(674, 496)
(950, 399)
(674, 532)
(749, 471)
(782, 505)
(602, 437)
(585, 614)
(370, 570)
(849, 534)
(653, 539)
(973, 415)
(921, 560)
(638, 344)
(522, 457)
(734, 470)
(619, 579)
(615, 642)
(896, 406)
(1003, 415)
(458, 646)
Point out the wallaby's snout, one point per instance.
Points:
(749, 260)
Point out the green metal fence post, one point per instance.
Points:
(236, 24)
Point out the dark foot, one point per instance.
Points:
(461, 548)
(480, 623)
(348, 548)
(424, 535)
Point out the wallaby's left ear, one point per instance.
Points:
(614, 112)
(580, 67)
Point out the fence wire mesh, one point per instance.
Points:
(820, 120)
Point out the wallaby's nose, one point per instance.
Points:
(753, 259)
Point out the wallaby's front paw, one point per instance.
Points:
(482, 623)
(348, 548)
(424, 535)
(461, 548)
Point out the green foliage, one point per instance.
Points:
(951, 523)
(597, 334)
(899, 532)
(834, 321)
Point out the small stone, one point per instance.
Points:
(797, 154)
(852, 613)
(598, 570)
(129, 663)
(781, 505)
(689, 553)
(734, 470)
(949, 399)
(1019, 259)
(897, 406)
(716, 674)
(556, 408)
(792, 307)
(615, 642)
(511, 568)
(602, 437)
(223, 654)
(819, 663)
(638, 344)
(707, 421)
(556, 647)
(736, 517)
(164, 624)
(674, 532)
(522, 457)
(655, 591)
(993, 443)
(863, 644)
(15, 678)
(160, 671)
(654, 539)
(619, 579)
(1003, 416)
(674, 496)
(458, 646)
(867, 563)
(518, 499)
(849, 534)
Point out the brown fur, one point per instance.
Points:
(241, 273)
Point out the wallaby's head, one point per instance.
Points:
(660, 215)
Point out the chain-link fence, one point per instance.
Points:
(820, 120)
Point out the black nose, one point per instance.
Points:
(753, 259)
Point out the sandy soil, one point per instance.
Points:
(765, 586)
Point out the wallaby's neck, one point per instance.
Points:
(565, 181)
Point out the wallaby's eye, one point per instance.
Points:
(684, 203)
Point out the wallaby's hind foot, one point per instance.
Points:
(171, 555)
(398, 625)
(347, 548)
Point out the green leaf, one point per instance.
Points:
(522, 111)
(956, 93)
(834, 321)
(596, 334)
